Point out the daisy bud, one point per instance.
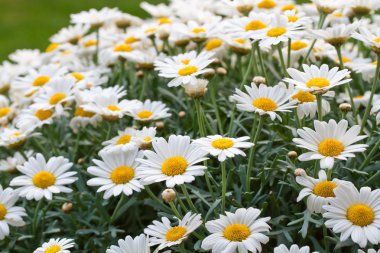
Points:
(123, 23)
(182, 114)
(361, 10)
(139, 74)
(345, 107)
(292, 154)
(299, 172)
(67, 207)
(160, 124)
(244, 8)
(181, 43)
(196, 90)
(163, 34)
(221, 71)
(81, 161)
(259, 80)
(210, 73)
(168, 195)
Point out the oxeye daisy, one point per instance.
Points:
(366, 69)
(10, 215)
(376, 110)
(93, 17)
(157, 11)
(369, 251)
(184, 70)
(317, 79)
(264, 100)
(139, 244)
(240, 232)
(144, 137)
(364, 7)
(329, 141)
(369, 38)
(125, 140)
(355, 214)
(27, 57)
(149, 111)
(82, 118)
(318, 191)
(71, 34)
(10, 163)
(44, 178)
(60, 245)
(336, 35)
(293, 249)
(165, 235)
(34, 117)
(173, 162)
(307, 103)
(224, 147)
(327, 6)
(116, 173)
(14, 138)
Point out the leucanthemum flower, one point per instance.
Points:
(125, 140)
(14, 138)
(224, 147)
(27, 57)
(10, 163)
(366, 69)
(316, 79)
(165, 235)
(94, 17)
(149, 111)
(173, 162)
(10, 215)
(338, 34)
(329, 141)
(83, 118)
(307, 103)
(369, 251)
(71, 34)
(327, 6)
(44, 178)
(139, 244)
(369, 38)
(355, 214)
(116, 173)
(34, 118)
(56, 245)
(364, 7)
(240, 232)
(144, 137)
(293, 249)
(264, 100)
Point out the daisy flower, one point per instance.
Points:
(10, 215)
(369, 38)
(329, 141)
(27, 57)
(10, 163)
(56, 245)
(224, 147)
(7, 111)
(364, 7)
(184, 68)
(293, 249)
(366, 69)
(173, 162)
(35, 118)
(144, 137)
(264, 100)
(316, 79)
(125, 140)
(338, 34)
(355, 214)
(318, 191)
(327, 6)
(307, 103)
(94, 17)
(71, 34)
(376, 110)
(14, 138)
(165, 235)
(149, 111)
(43, 179)
(241, 231)
(157, 10)
(369, 251)
(82, 118)
(139, 244)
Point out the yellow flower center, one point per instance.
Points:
(3, 211)
(175, 233)
(304, 97)
(236, 232)
(80, 112)
(198, 30)
(124, 139)
(185, 61)
(188, 70)
(255, 25)
(56, 98)
(212, 44)
(377, 40)
(338, 14)
(358, 97)
(17, 134)
(51, 47)
(298, 45)
(319, 82)
(276, 32)
(150, 30)
(240, 41)
(43, 114)
(345, 59)
(144, 114)
(173, 166)
(265, 104)
(330, 147)
(77, 76)
(43, 179)
(147, 139)
(122, 175)
(288, 7)
(292, 19)
(131, 40)
(113, 108)
(267, 4)
(5, 111)
(53, 249)
(325, 189)
(360, 215)
(90, 43)
(41, 81)
(222, 143)
(163, 21)
(123, 48)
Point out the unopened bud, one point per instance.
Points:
(182, 114)
(168, 195)
(163, 34)
(81, 161)
(67, 207)
(209, 73)
(299, 172)
(221, 71)
(196, 90)
(139, 74)
(292, 154)
(244, 8)
(259, 80)
(160, 124)
(345, 107)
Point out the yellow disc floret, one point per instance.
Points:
(330, 147)
(360, 215)
(236, 232)
(175, 233)
(265, 104)
(43, 179)
(122, 175)
(173, 166)
(325, 189)
(222, 143)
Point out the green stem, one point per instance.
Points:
(289, 52)
(224, 185)
(155, 198)
(188, 199)
(319, 104)
(97, 45)
(369, 156)
(121, 200)
(174, 209)
(263, 69)
(182, 248)
(201, 126)
(213, 92)
(35, 217)
(329, 174)
(282, 61)
(144, 83)
(122, 73)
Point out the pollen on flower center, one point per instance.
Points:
(124, 139)
(51, 47)
(5, 111)
(212, 44)
(147, 139)
(360, 215)
(304, 97)
(288, 7)
(188, 70)
(298, 45)
(267, 4)
(222, 143)
(41, 81)
(43, 179)
(131, 40)
(236, 232)
(56, 98)
(43, 114)
(173, 166)
(185, 61)
(163, 21)
(175, 233)
(113, 108)
(198, 30)
(276, 32)
(240, 41)
(255, 25)
(77, 76)
(90, 43)
(144, 114)
(330, 147)
(265, 104)
(319, 82)
(3, 211)
(377, 40)
(122, 175)
(123, 48)
(80, 112)
(325, 189)
(53, 249)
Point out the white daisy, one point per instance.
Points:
(145, 137)
(125, 140)
(60, 245)
(376, 110)
(94, 17)
(27, 57)
(369, 38)
(355, 214)
(369, 251)
(224, 147)
(149, 111)
(293, 249)
(327, 6)
(336, 35)
(364, 7)
(307, 103)
(264, 100)
(139, 244)
(173, 162)
(10, 163)
(14, 138)
(43, 179)
(82, 118)
(240, 232)
(35, 118)
(366, 69)
(165, 235)
(329, 141)
(71, 34)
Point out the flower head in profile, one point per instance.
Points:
(149, 111)
(336, 35)
(369, 38)
(139, 244)
(71, 34)
(60, 245)
(293, 249)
